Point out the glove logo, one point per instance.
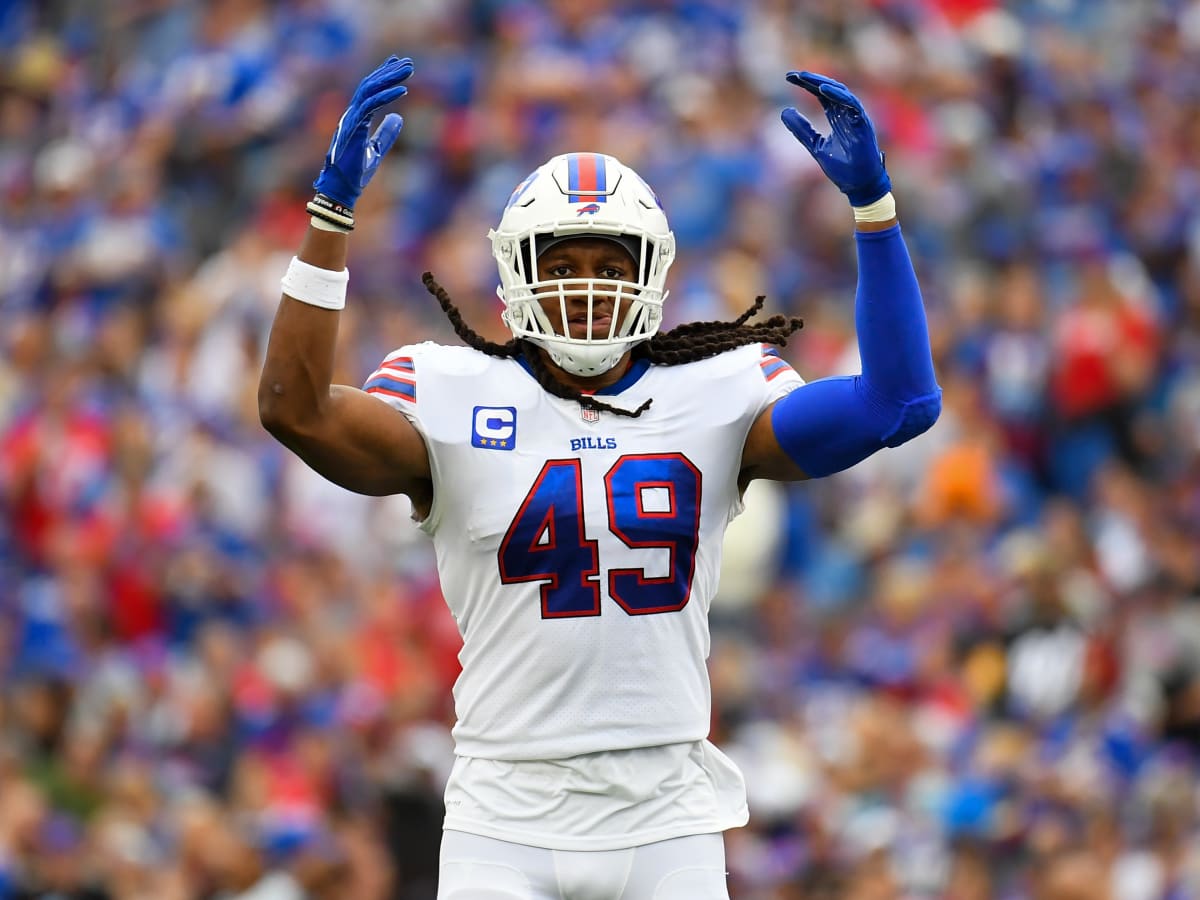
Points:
(494, 427)
(591, 209)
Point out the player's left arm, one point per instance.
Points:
(829, 425)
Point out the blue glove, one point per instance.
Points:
(849, 156)
(353, 158)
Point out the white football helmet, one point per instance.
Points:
(583, 195)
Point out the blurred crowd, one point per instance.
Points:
(967, 669)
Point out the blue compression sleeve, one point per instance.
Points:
(831, 424)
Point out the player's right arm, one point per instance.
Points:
(346, 435)
(343, 433)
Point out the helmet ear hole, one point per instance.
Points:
(584, 195)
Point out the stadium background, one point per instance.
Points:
(966, 669)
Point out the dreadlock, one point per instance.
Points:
(685, 343)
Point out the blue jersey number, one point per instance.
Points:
(653, 503)
(547, 542)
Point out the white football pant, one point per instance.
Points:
(482, 868)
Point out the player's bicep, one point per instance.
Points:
(763, 457)
(365, 445)
(829, 425)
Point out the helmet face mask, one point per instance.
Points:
(572, 196)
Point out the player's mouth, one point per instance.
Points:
(601, 323)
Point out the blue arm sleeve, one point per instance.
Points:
(831, 424)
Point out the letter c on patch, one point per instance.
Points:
(494, 423)
(494, 427)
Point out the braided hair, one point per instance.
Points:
(685, 343)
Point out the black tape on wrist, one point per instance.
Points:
(329, 210)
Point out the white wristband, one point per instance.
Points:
(316, 286)
(881, 210)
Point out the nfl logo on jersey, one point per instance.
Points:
(589, 415)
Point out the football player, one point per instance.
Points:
(576, 482)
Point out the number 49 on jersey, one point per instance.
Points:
(653, 502)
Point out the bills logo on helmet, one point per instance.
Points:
(590, 209)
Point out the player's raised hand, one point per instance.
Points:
(354, 154)
(849, 155)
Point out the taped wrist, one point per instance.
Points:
(882, 210)
(314, 285)
(325, 208)
(322, 225)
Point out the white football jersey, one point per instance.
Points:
(579, 552)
